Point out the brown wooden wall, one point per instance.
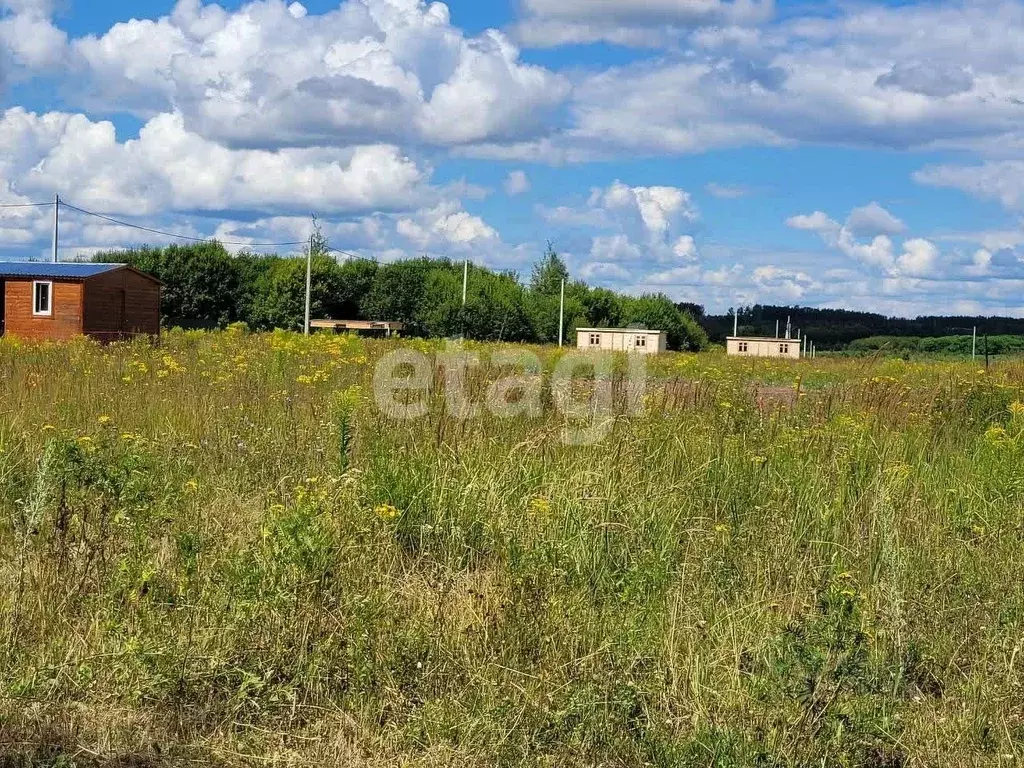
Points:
(113, 305)
(64, 323)
(121, 303)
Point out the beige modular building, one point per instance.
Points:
(754, 346)
(622, 340)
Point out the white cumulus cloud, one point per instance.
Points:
(170, 168)
(919, 257)
(995, 180)
(646, 222)
(29, 36)
(517, 183)
(872, 219)
(269, 74)
(443, 226)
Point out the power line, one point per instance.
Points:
(349, 254)
(24, 205)
(175, 234)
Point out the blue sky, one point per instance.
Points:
(866, 155)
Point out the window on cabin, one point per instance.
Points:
(744, 347)
(783, 349)
(641, 342)
(42, 298)
(595, 339)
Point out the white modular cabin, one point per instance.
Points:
(639, 340)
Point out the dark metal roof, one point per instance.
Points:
(56, 271)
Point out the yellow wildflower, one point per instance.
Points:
(539, 506)
(172, 365)
(386, 512)
(104, 419)
(995, 434)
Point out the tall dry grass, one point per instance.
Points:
(218, 551)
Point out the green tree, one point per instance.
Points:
(544, 296)
(251, 269)
(281, 292)
(658, 312)
(440, 310)
(549, 273)
(496, 308)
(356, 280)
(317, 241)
(603, 308)
(398, 293)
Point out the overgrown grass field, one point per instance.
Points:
(218, 550)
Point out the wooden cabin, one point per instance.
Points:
(44, 300)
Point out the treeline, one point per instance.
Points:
(205, 286)
(837, 328)
(958, 346)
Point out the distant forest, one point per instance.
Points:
(207, 287)
(833, 329)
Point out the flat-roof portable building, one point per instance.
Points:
(45, 300)
(757, 346)
(638, 340)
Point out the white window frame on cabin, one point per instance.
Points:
(595, 339)
(48, 312)
(783, 349)
(641, 342)
(744, 347)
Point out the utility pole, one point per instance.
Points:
(561, 315)
(56, 225)
(974, 344)
(465, 281)
(309, 278)
(776, 328)
(735, 322)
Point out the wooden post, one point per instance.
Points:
(309, 281)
